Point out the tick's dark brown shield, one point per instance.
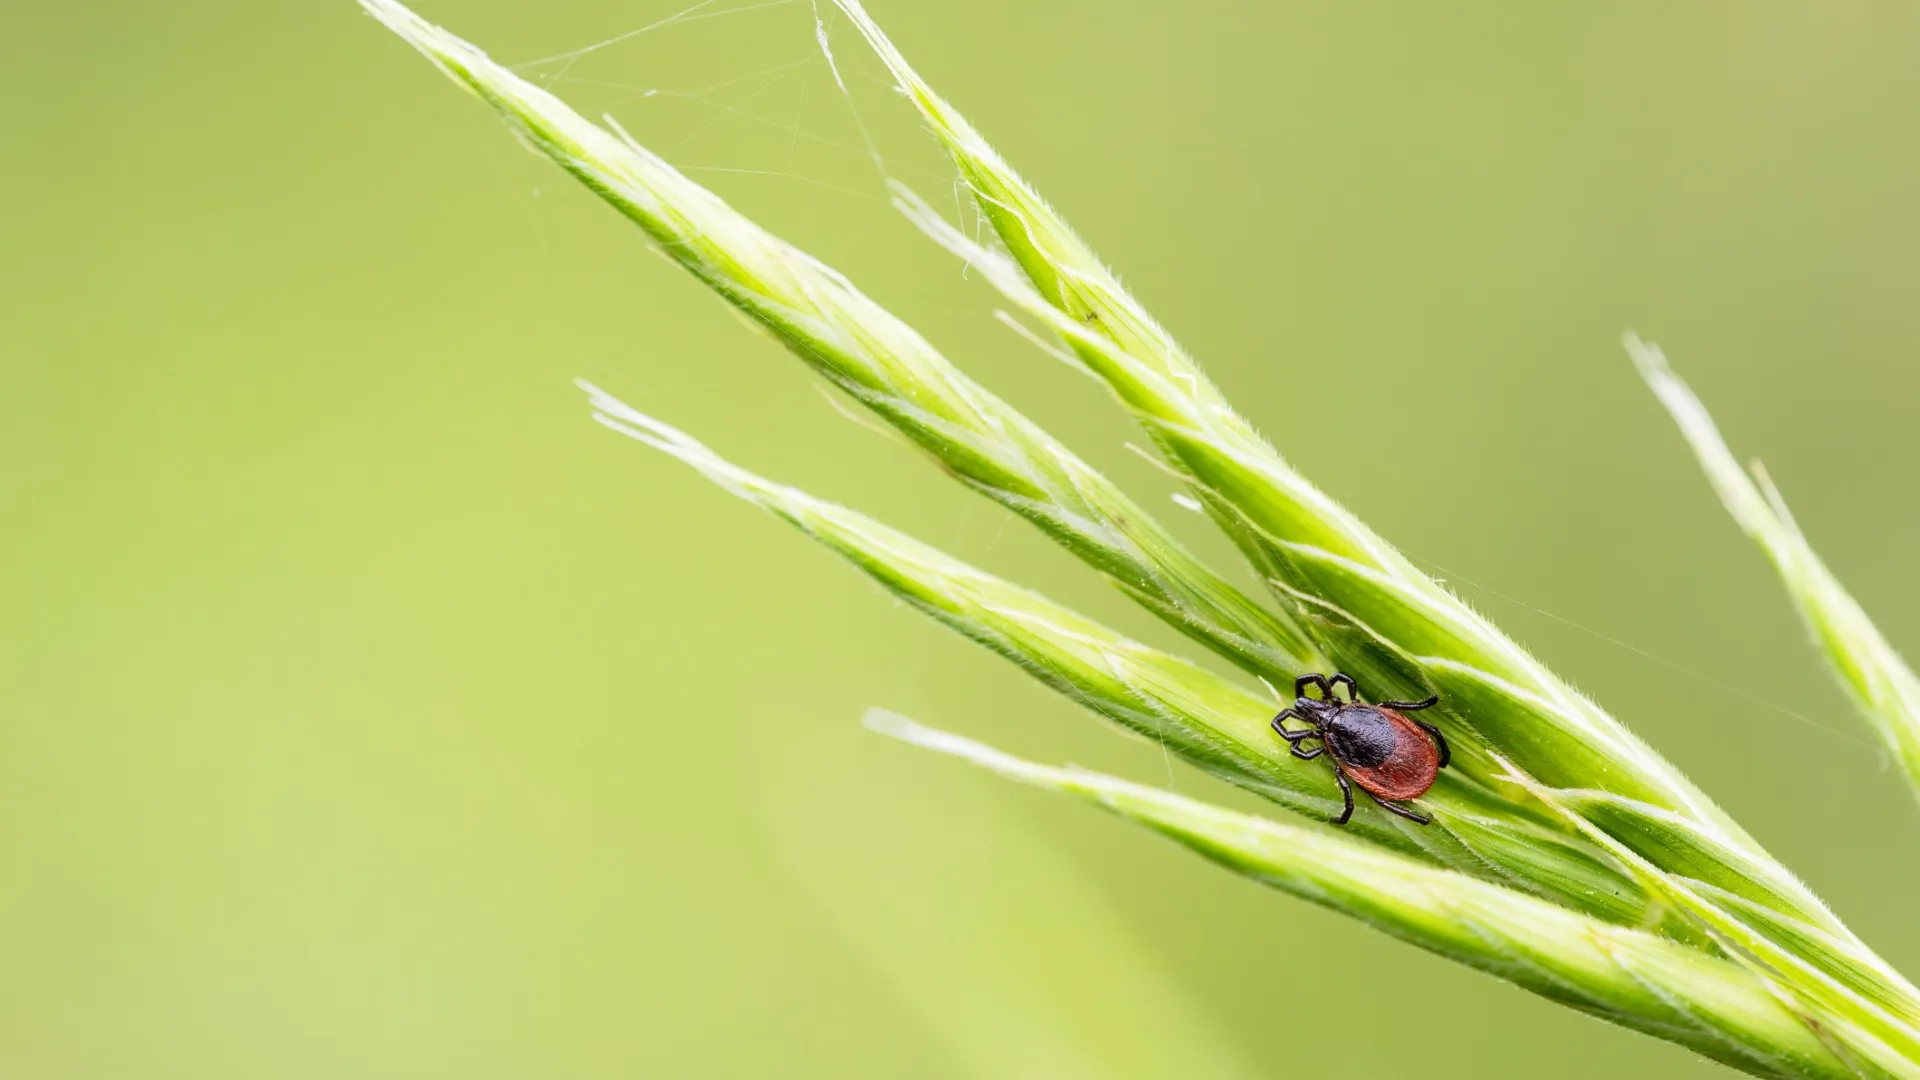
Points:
(1409, 769)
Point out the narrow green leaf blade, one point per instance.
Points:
(1626, 976)
(1866, 665)
(882, 362)
(1367, 606)
(1195, 713)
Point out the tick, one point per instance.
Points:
(1392, 758)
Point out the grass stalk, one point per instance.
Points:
(1565, 854)
(1209, 721)
(1376, 614)
(1630, 977)
(1880, 683)
(883, 363)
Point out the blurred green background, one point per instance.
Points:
(370, 712)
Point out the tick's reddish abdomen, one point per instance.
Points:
(1410, 760)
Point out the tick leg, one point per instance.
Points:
(1300, 685)
(1439, 739)
(1346, 789)
(1396, 808)
(1279, 727)
(1353, 688)
(1295, 738)
(1411, 706)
